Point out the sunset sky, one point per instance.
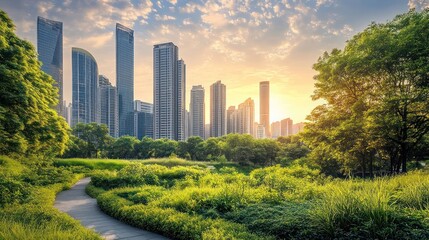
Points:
(238, 42)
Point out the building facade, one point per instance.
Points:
(264, 106)
(108, 95)
(275, 129)
(197, 111)
(217, 109)
(143, 119)
(246, 117)
(286, 127)
(50, 53)
(231, 120)
(125, 78)
(85, 99)
(169, 77)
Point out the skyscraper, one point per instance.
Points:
(84, 87)
(50, 50)
(286, 127)
(125, 78)
(264, 106)
(217, 109)
(143, 119)
(231, 120)
(141, 106)
(180, 103)
(275, 129)
(246, 117)
(168, 92)
(197, 108)
(109, 106)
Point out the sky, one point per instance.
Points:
(240, 43)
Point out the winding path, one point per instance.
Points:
(76, 203)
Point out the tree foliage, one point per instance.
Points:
(376, 93)
(29, 123)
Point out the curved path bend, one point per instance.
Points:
(76, 203)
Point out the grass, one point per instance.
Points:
(27, 197)
(118, 164)
(274, 202)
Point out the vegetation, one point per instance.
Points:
(274, 202)
(28, 192)
(376, 91)
(92, 140)
(24, 88)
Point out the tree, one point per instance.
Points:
(376, 92)
(123, 147)
(96, 136)
(29, 123)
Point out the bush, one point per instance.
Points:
(13, 191)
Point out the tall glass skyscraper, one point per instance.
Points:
(125, 78)
(85, 99)
(197, 108)
(50, 50)
(168, 92)
(217, 109)
(264, 106)
(109, 105)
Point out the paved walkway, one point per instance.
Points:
(82, 207)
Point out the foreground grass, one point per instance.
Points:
(283, 203)
(26, 202)
(118, 164)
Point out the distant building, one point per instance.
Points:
(246, 117)
(143, 119)
(108, 96)
(231, 120)
(67, 110)
(275, 129)
(286, 127)
(217, 109)
(84, 87)
(169, 92)
(197, 111)
(188, 125)
(260, 131)
(207, 128)
(264, 106)
(50, 53)
(125, 78)
(141, 106)
(298, 127)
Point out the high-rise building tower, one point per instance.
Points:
(180, 103)
(50, 50)
(84, 87)
(125, 78)
(286, 127)
(217, 109)
(275, 129)
(246, 117)
(109, 106)
(197, 108)
(169, 81)
(264, 106)
(143, 119)
(231, 120)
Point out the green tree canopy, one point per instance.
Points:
(376, 92)
(28, 122)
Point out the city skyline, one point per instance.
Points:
(276, 42)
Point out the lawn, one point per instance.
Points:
(195, 202)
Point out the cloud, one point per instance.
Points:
(164, 17)
(214, 19)
(418, 4)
